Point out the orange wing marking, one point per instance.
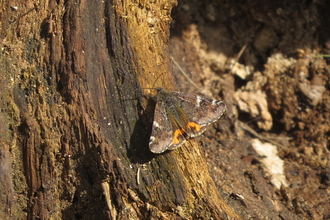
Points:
(177, 134)
(194, 126)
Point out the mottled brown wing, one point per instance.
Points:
(162, 132)
(200, 111)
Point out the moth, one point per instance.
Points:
(179, 116)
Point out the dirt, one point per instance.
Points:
(269, 155)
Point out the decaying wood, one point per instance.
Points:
(76, 111)
(78, 140)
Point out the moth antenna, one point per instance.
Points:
(153, 86)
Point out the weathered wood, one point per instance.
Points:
(76, 112)
(78, 140)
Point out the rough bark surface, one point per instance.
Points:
(76, 112)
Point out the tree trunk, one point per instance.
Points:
(76, 109)
(73, 73)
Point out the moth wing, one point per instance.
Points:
(179, 138)
(201, 110)
(162, 133)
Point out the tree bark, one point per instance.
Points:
(76, 127)
(77, 80)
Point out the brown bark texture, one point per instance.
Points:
(73, 72)
(77, 109)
